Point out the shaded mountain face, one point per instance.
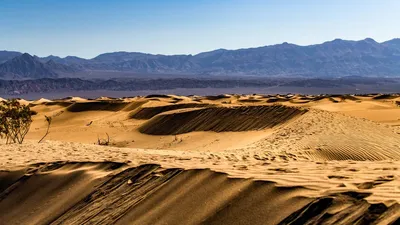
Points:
(27, 66)
(116, 57)
(335, 58)
(58, 67)
(69, 60)
(330, 59)
(7, 55)
(395, 43)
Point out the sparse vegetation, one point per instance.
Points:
(48, 120)
(101, 141)
(176, 139)
(15, 121)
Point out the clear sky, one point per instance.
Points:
(87, 28)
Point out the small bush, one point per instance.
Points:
(15, 121)
(48, 120)
(105, 142)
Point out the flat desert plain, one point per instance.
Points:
(227, 159)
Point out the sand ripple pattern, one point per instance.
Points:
(322, 135)
(116, 193)
(220, 119)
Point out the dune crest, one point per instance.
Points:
(114, 193)
(220, 119)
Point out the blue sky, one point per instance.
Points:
(87, 28)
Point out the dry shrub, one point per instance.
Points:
(15, 121)
(101, 141)
(48, 120)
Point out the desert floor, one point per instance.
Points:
(227, 159)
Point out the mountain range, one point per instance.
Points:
(335, 58)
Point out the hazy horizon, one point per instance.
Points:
(87, 29)
(155, 53)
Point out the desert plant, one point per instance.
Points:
(48, 120)
(15, 121)
(101, 141)
(176, 139)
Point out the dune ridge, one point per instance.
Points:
(345, 208)
(97, 105)
(115, 193)
(145, 113)
(134, 105)
(220, 119)
(322, 135)
(112, 193)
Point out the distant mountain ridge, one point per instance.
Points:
(7, 55)
(335, 58)
(25, 66)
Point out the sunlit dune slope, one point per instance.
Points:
(145, 113)
(335, 132)
(81, 193)
(321, 135)
(115, 193)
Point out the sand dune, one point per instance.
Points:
(328, 134)
(134, 105)
(320, 177)
(113, 193)
(385, 96)
(146, 113)
(40, 101)
(74, 99)
(220, 119)
(158, 96)
(345, 208)
(228, 159)
(321, 135)
(97, 105)
(24, 102)
(100, 193)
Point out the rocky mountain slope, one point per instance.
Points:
(7, 55)
(27, 66)
(335, 58)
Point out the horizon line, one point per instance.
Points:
(236, 49)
